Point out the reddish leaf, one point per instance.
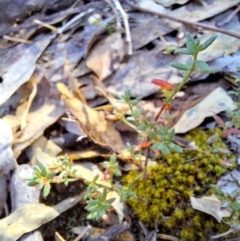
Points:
(163, 84)
(219, 121)
(231, 131)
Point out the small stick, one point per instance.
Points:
(19, 40)
(229, 18)
(83, 233)
(46, 25)
(118, 21)
(126, 25)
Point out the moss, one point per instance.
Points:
(165, 195)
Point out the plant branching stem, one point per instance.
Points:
(179, 87)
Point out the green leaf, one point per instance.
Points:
(46, 189)
(33, 183)
(171, 134)
(190, 39)
(184, 51)
(152, 135)
(175, 148)
(201, 65)
(235, 206)
(191, 47)
(161, 130)
(179, 66)
(217, 190)
(130, 118)
(208, 42)
(51, 175)
(163, 148)
(136, 101)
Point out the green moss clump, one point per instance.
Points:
(165, 195)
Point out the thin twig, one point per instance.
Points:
(230, 17)
(126, 25)
(223, 234)
(49, 26)
(83, 233)
(118, 21)
(193, 24)
(73, 21)
(18, 40)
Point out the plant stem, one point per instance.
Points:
(179, 87)
(123, 119)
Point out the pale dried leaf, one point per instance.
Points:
(168, 3)
(196, 11)
(106, 56)
(216, 102)
(137, 73)
(210, 205)
(32, 216)
(14, 76)
(45, 145)
(7, 161)
(32, 236)
(223, 45)
(21, 193)
(227, 183)
(38, 121)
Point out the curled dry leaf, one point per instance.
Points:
(93, 122)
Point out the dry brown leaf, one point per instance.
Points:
(38, 121)
(106, 56)
(148, 29)
(19, 70)
(195, 11)
(7, 161)
(137, 73)
(216, 102)
(210, 205)
(30, 217)
(21, 193)
(46, 146)
(98, 128)
(224, 44)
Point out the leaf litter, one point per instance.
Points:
(37, 90)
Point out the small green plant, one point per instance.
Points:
(193, 48)
(176, 167)
(61, 171)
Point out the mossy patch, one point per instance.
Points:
(165, 195)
